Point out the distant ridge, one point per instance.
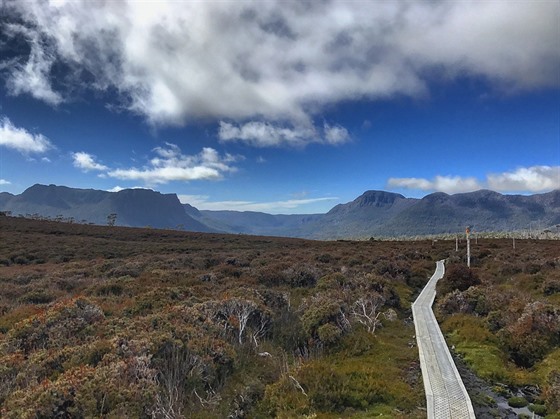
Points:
(381, 213)
(374, 213)
(134, 207)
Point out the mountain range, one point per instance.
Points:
(134, 207)
(374, 213)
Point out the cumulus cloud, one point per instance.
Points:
(202, 202)
(336, 134)
(264, 134)
(86, 162)
(276, 60)
(5, 182)
(32, 76)
(20, 139)
(448, 184)
(119, 188)
(522, 179)
(171, 165)
(533, 179)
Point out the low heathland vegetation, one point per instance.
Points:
(503, 317)
(108, 321)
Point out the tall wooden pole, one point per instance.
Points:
(456, 243)
(468, 248)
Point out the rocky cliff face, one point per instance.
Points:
(134, 207)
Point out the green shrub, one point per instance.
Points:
(332, 281)
(109, 289)
(329, 333)
(36, 297)
(538, 409)
(319, 310)
(517, 402)
(302, 275)
(287, 330)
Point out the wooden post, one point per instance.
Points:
(468, 248)
(456, 242)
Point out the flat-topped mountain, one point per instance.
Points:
(134, 207)
(371, 199)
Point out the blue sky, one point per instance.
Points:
(282, 107)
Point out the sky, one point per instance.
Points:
(280, 106)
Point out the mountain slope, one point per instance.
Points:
(364, 216)
(485, 210)
(134, 207)
(258, 223)
(380, 213)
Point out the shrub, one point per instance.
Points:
(287, 330)
(324, 258)
(538, 409)
(551, 391)
(517, 402)
(36, 297)
(302, 276)
(332, 281)
(457, 277)
(329, 333)
(109, 289)
(321, 309)
(473, 300)
(64, 323)
(533, 334)
(551, 286)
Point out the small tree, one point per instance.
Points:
(366, 310)
(111, 219)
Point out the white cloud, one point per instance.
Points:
(264, 134)
(336, 134)
(171, 165)
(20, 139)
(118, 188)
(411, 183)
(523, 179)
(5, 182)
(86, 162)
(447, 184)
(32, 76)
(275, 60)
(201, 202)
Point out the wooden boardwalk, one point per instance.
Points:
(446, 395)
